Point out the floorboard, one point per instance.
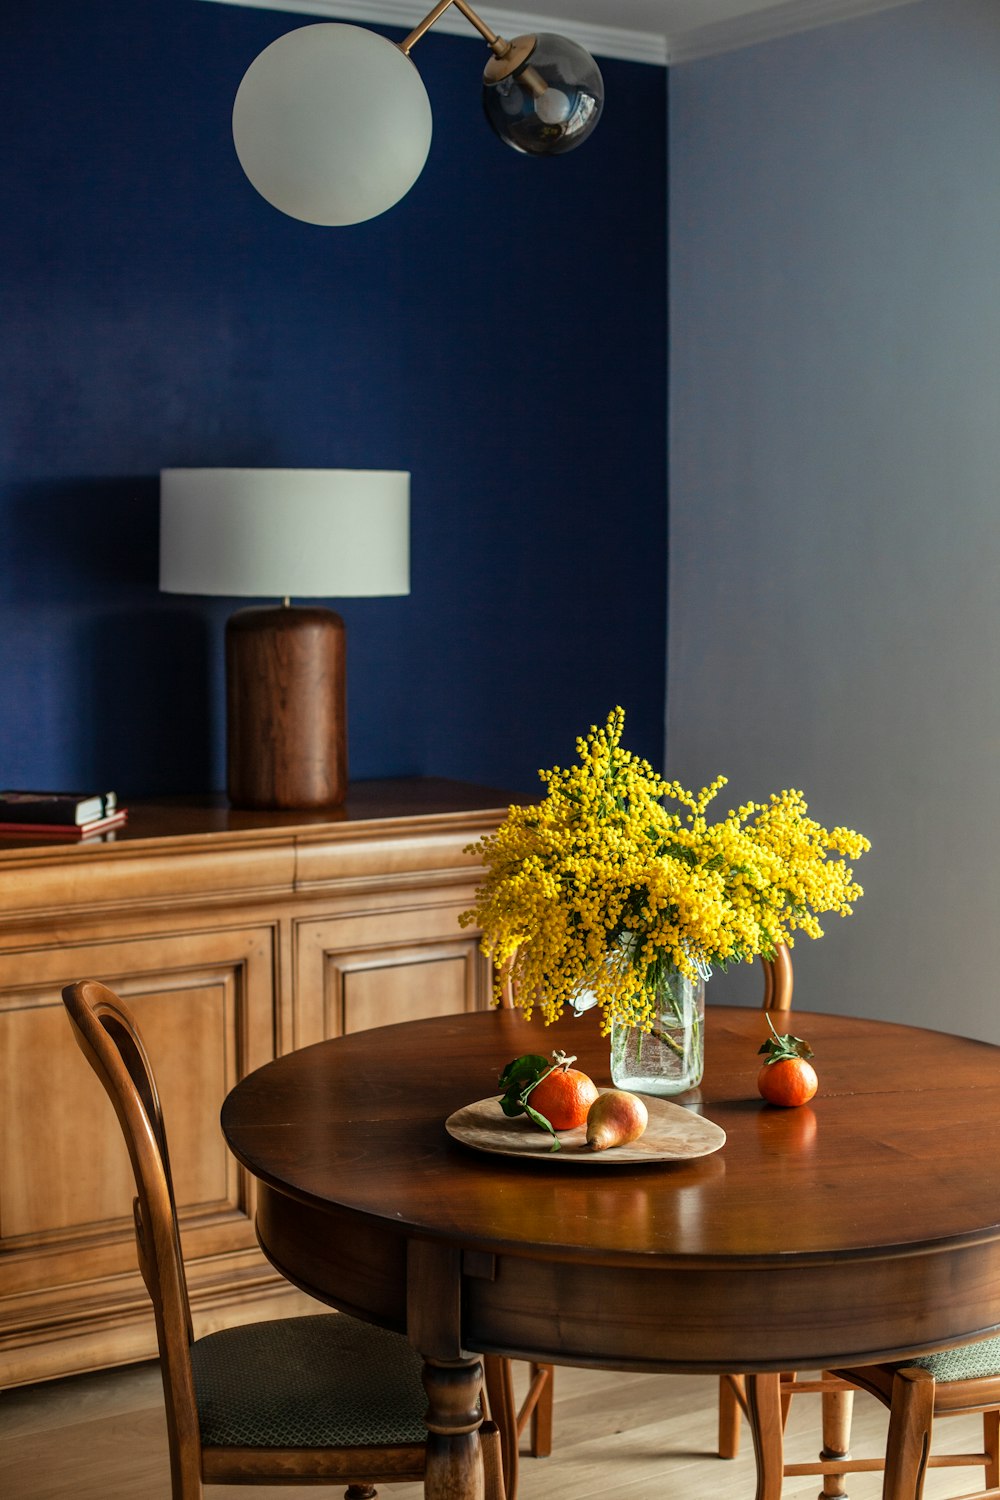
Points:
(617, 1437)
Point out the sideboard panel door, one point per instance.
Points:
(234, 935)
(64, 1169)
(205, 1003)
(412, 984)
(357, 972)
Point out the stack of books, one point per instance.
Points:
(59, 815)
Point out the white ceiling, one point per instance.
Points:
(661, 31)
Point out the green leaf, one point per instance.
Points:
(779, 1048)
(522, 1071)
(520, 1077)
(543, 1124)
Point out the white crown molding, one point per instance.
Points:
(674, 45)
(768, 25)
(602, 41)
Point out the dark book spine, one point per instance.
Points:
(17, 808)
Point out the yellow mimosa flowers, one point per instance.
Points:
(616, 875)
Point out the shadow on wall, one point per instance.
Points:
(126, 696)
(155, 710)
(81, 541)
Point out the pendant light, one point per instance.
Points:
(332, 123)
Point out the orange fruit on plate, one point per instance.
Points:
(564, 1098)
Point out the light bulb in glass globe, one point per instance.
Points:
(544, 97)
(332, 124)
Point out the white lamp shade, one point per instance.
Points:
(279, 533)
(332, 124)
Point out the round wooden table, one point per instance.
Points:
(862, 1227)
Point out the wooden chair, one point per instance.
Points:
(301, 1400)
(960, 1381)
(536, 1408)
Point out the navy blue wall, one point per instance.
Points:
(501, 334)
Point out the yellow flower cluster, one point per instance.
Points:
(617, 877)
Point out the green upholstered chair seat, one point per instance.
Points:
(976, 1361)
(312, 1382)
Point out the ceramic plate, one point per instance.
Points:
(673, 1134)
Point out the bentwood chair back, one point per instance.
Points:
(305, 1400)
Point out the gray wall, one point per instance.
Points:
(835, 467)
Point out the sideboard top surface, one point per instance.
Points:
(369, 804)
(188, 849)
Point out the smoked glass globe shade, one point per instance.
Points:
(332, 124)
(551, 102)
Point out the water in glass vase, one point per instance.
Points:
(671, 1057)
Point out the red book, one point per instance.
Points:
(64, 830)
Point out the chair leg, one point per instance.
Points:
(991, 1447)
(730, 1414)
(542, 1383)
(911, 1417)
(489, 1438)
(498, 1381)
(838, 1409)
(733, 1406)
(789, 1380)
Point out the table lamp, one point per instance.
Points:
(312, 533)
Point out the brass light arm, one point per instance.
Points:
(439, 10)
(425, 25)
(509, 55)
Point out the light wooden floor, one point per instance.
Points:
(617, 1437)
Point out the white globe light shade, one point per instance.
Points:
(332, 124)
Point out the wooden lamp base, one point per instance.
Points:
(286, 707)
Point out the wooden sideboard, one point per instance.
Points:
(235, 937)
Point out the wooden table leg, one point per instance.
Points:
(454, 1460)
(764, 1411)
(452, 1379)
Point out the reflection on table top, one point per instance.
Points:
(900, 1148)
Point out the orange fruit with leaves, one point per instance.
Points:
(787, 1078)
(554, 1095)
(564, 1098)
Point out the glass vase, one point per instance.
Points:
(669, 1058)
